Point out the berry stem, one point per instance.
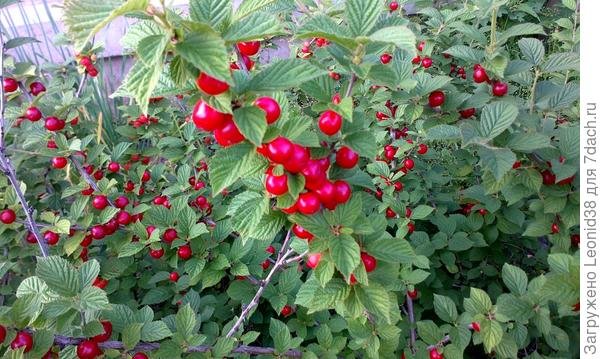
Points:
(282, 255)
(8, 170)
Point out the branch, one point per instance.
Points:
(350, 85)
(445, 340)
(9, 170)
(411, 320)
(81, 83)
(283, 254)
(63, 341)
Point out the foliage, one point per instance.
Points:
(460, 235)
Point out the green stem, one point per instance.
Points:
(493, 25)
(532, 99)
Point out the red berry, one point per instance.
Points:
(416, 60)
(184, 252)
(51, 144)
(301, 232)
(146, 176)
(475, 326)
(346, 158)
(343, 192)
(426, 62)
(173, 276)
(330, 122)
(398, 186)
(381, 116)
(22, 340)
(389, 213)
(280, 149)
(51, 238)
(249, 48)
(211, 85)
(369, 261)
(466, 113)
(313, 174)
(575, 239)
(479, 74)
(385, 58)
(434, 354)
(422, 149)
(98, 175)
(100, 202)
(265, 264)
(88, 349)
(313, 260)
(123, 218)
(286, 310)
(271, 108)
(170, 235)
(276, 185)
(352, 279)
(393, 6)
(413, 294)
(110, 227)
(436, 98)
(207, 118)
(229, 134)
(297, 160)
(54, 124)
(139, 356)
(409, 164)
(97, 232)
(554, 228)
(114, 167)
(408, 212)
(36, 88)
(516, 165)
(410, 227)
(8, 216)
(100, 282)
(421, 46)
(326, 194)
(106, 334)
(156, 253)
(33, 114)
(121, 202)
(308, 203)
(548, 178)
(499, 88)
(10, 84)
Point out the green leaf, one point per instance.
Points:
(528, 142)
(150, 49)
(257, 26)
(362, 15)
(478, 303)
(19, 41)
(246, 211)
(514, 278)
(207, 52)
(393, 250)
(445, 308)
(443, 132)
(429, 332)
(93, 298)
(247, 7)
(155, 331)
(363, 142)
(466, 53)
(497, 160)
(345, 253)
(89, 271)
(60, 276)
(140, 82)
(229, 164)
(497, 117)
(520, 30)
(131, 335)
(212, 12)
(251, 122)
(421, 211)
(84, 18)
(280, 333)
(561, 62)
(283, 74)
(532, 50)
(223, 347)
(491, 333)
(376, 299)
(400, 36)
(325, 27)
(185, 321)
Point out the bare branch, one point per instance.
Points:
(411, 320)
(9, 170)
(350, 85)
(283, 254)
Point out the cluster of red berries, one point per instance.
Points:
(247, 50)
(425, 61)
(88, 64)
(458, 70)
(143, 120)
(306, 50)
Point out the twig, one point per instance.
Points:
(240, 60)
(63, 341)
(283, 254)
(81, 83)
(9, 170)
(350, 85)
(411, 320)
(445, 340)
